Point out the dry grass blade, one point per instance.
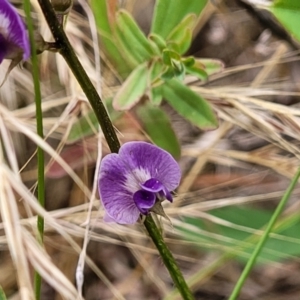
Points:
(13, 230)
(17, 125)
(217, 173)
(42, 263)
(34, 253)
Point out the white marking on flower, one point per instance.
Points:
(4, 25)
(135, 178)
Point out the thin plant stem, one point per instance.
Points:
(168, 259)
(39, 126)
(251, 262)
(93, 97)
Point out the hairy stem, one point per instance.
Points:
(168, 259)
(69, 55)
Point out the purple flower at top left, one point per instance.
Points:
(14, 41)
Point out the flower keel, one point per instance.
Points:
(144, 200)
(151, 190)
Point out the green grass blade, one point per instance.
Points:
(265, 236)
(39, 125)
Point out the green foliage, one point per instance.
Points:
(168, 14)
(202, 68)
(175, 67)
(189, 104)
(84, 127)
(87, 125)
(157, 125)
(277, 248)
(132, 40)
(155, 92)
(181, 36)
(132, 89)
(288, 13)
(108, 40)
(153, 66)
(158, 41)
(211, 66)
(2, 294)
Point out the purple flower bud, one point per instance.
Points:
(14, 40)
(131, 182)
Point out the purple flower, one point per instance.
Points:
(14, 40)
(133, 181)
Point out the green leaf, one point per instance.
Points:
(132, 38)
(188, 61)
(169, 56)
(158, 40)
(168, 14)
(202, 67)
(2, 294)
(176, 67)
(168, 74)
(198, 72)
(155, 91)
(187, 23)
(158, 126)
(288, 14)
(88, 124)
(108, 42)
(101, 13)
(85, 126)
(275, 249)
(185, 42)
(156, 70)
(132, 89)
(177, 70)
(182, 45)
(211, 66)
(189, 104)
(181, 35)
(155, 95)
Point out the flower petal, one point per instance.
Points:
(13, 30)
(3, 48)
(152, 185)
(144, 200)
(117, 200)
(167, 195)
(159, 163)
